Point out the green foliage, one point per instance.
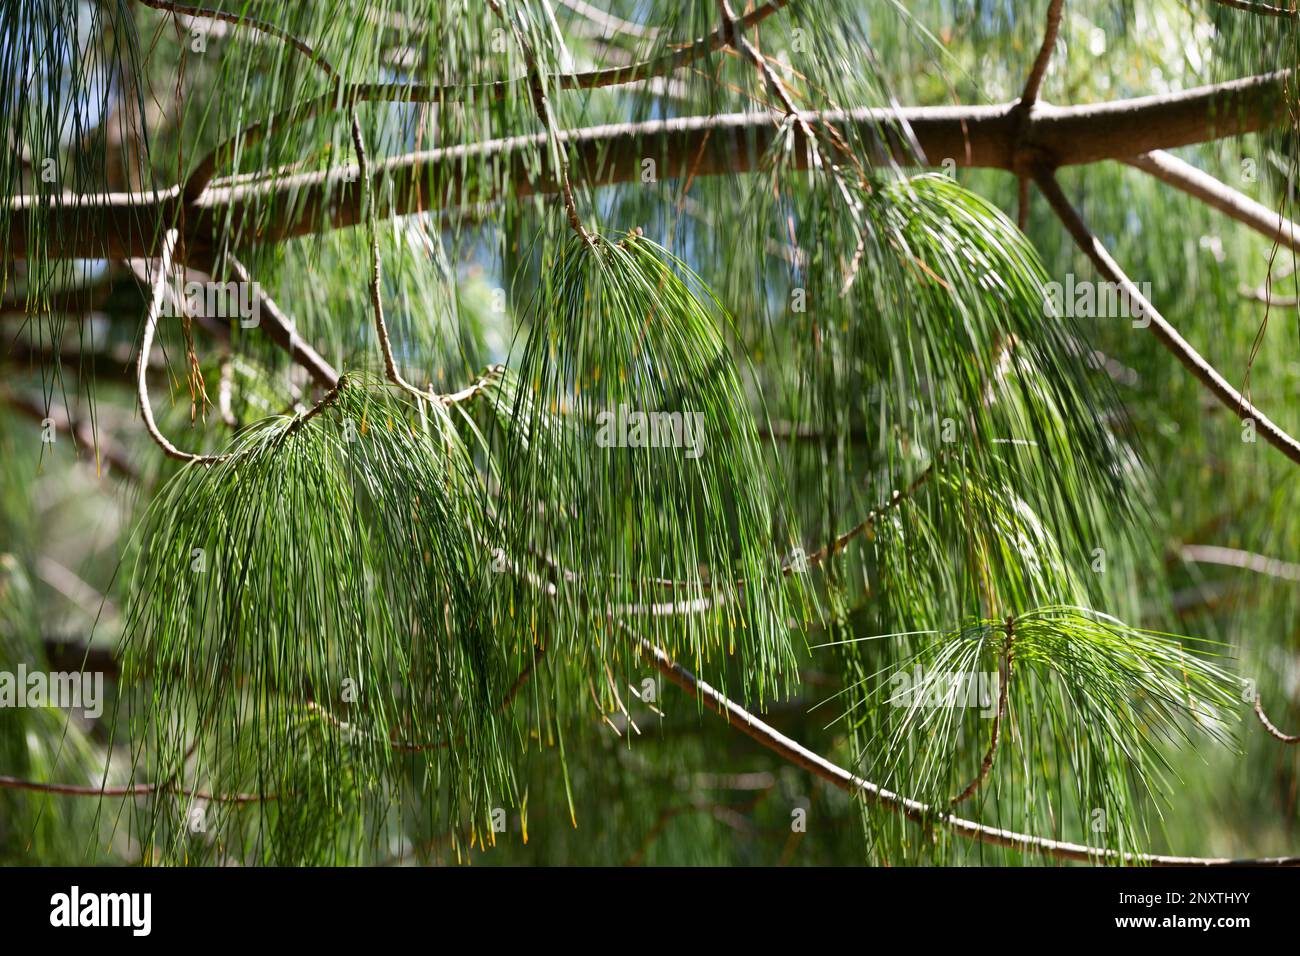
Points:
(629, 454)
(870, 449)
(319, 594)
(1091, 704)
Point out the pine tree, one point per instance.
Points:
(516, 431)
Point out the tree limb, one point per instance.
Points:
(1272, 727)
(125, 225)
(146, 347)
(1039, 70)
(921, 813)
(1263, 9)
(1166, 333)
(1172, 170)
(1246, 560)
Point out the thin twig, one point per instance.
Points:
(282, 331)
(987, 763)
(1263, 9)
(243, 20)
(130, 790)
(146, 347)
(1267, 222)
(381, 328)
(474, 389)
(326, 400)
(611, 24)
(1277, 302)
(376, 295)
(542, 106)
(287, 337)
(790, 565)
(376, 279)
(794, 563)
(1236, 558)
(225, 393)
(1271, 727)
(75, 588)
(737, 39)
(406, 746)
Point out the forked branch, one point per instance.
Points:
(122, 225)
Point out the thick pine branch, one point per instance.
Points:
(127, 225)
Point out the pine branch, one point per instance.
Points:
(836, 546)
(610, 24)
(131, 790)
(920, 813)
(473, 390)
(121, 225)
(1267, 222)
(1246, 560)
(1205, 373)
(146, 349)
(987, 763)
(1263, 9)
(542, 106)
(85, 435)
(243, 20)
(1038, 71)
(1272, 727)
(376, 276)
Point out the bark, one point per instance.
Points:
(998, 137)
